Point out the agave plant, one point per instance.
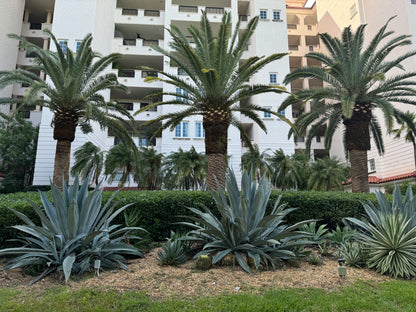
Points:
(342, 235)
(172, 253)
(75, 234)
(390, 233)
(354, 253)
(244, 230)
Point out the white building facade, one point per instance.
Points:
(130, 27)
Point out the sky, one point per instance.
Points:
(309, 3)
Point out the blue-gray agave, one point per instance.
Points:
(389, 231)
(75, 234)
(244, 229)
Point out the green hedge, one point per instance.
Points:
(160, 209)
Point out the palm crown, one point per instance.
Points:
(217, 84)
(357, 81)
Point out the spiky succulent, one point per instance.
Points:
(243, 228)
(390, 233)
(75, 234)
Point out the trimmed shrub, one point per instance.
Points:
(159, 210)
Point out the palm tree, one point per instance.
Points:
(257, 162)
(326, 174)
(72, 91)
(408, 129)
(89, 161)
(216, 85)
(355, 84)
(185, 170)
(148, 169)
(120, 158)
(286, 172)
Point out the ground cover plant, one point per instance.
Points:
(75, 234)
(243, 229)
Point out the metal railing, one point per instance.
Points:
(214, 10)
(150, 73)
(129, 42)
(243, 18)
(35, 26)
(293, 47)
(292, 26)
(148, 43)
(151, 13)
(128, 106)
(182, 72)
(188, 9)
(152, 109)
(131, 12)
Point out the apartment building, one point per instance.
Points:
(302, 32)
(131, 27)
(397, 163)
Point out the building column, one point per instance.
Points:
(26, 16)
(49, 17)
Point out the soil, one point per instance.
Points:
(184, 281)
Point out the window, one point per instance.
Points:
(413, 1)
(63, 44)
(283, 113)
(353, 11)
(309, 27)
(300, 139)
(371, 165)
(181, 95)
(152, 109)
(117, 140)
(199, 130)
(182, 130)
(182, 72)
(142, 142)
(273, 78)
(318, 139)
(267, 114)
(263, 14)
(78, 44)
(276, 15)
(310, 48)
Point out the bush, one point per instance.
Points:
(159, 210)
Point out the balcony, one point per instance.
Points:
(25, 59)
(193, 12)
(139, 16)
(136, 46)
(135, 78)
(35, 29)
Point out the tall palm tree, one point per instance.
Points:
(72, 91)
(148, 169)
(357, 80)
(185, 170)
(326, 174)
(89, 161)
(120, 159)
(216, 85)
(287, 171)
(408, 129)
(257, 162)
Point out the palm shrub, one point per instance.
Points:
(75, 233)
(390, 233)
(243, 228)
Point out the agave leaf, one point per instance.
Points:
(67, 266)
(242, 262)
(221, 255)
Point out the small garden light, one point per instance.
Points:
(342, 269)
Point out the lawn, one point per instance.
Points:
(389, 296)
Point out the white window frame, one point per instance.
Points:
(267, 114)
(261, 17)
(279, 15)
(180, 92)
(201, 130)
(273, 78)
(283, 113)
(371, 165)
(63, 44)
(182, 130)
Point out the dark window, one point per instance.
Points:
(129, 12)
(152, 109)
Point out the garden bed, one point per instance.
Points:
(184, 282)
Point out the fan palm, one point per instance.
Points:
(72, 92)
(89, 161)
(355, 85)
(216, 85)
(326, 174)
(407, 128)
(256, 162)
(185, 170)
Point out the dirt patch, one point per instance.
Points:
(163, 282)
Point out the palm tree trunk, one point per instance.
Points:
(217, 167)
(359, 171)
(61, 166)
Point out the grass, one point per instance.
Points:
(362, 296)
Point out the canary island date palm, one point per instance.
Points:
(217, 81)
(327, 174)
(357, 81)
(72, 91)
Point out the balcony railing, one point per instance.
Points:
(128, 106)
(214, 10)
(292, 26)
(146, 73)
(35, 26)
(126, 73)
(293, 47)
(31, 54)
(152, 109)
(182, 72)
(132, 12)
(148, 43)
(151, 13)
(243, 18)
(129, 42)
(188, 9)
